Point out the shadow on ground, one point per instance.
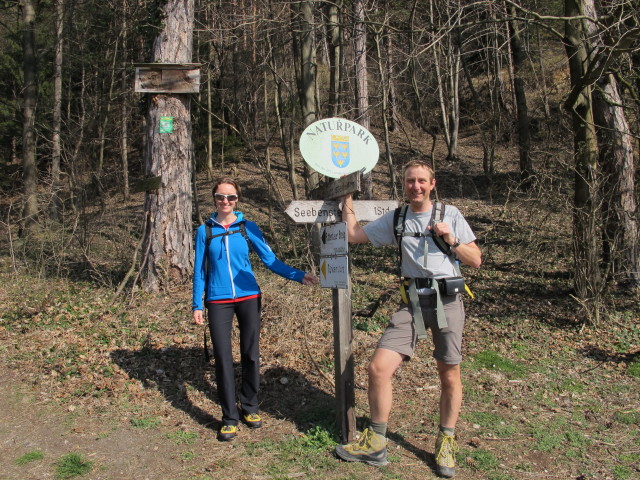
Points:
(174, 371)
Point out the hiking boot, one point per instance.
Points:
(370, 448)
(252, 420)
(446, 449)
(227, 432)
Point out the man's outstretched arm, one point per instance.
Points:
(355, 231)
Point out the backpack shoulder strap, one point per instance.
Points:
(207, 242)
(437, 212)
(437, 216)
(209, 236)
(243, 232)
(399, 220)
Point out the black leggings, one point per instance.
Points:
(220, 323)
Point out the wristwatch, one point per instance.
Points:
(456, 244)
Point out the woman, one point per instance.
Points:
(222, 271)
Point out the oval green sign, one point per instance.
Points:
(335, 147)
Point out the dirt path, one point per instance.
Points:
(116, 450)
(179, 447)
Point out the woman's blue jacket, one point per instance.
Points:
(230, 273)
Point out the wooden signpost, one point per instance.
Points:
(335, 274)
(342, 150)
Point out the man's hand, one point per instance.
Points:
(355, 232)
(444, 230)
(468, 253)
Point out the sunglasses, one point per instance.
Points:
(222, 196)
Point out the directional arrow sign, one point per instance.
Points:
(314, 211)
(334, 272)
(333, 239)
(318, 211)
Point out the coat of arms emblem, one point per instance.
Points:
(340, 150)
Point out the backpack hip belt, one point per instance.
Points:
(409, 292)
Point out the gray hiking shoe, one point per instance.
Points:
(370, 448)
(446, 449)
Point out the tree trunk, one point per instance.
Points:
(169, 156)
(387, 41)
(307, 65)
(447, 68)
(56, 187)
(124, 135)
(618, 162)
(361, 80)
(384, 86)
(587, 278)
(209, 126)
(524, 136)
(616, 157)
(29, 168)
(307, 82)
(334, 29)
(414, 74)
(283, 132)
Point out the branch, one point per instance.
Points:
(602, 60)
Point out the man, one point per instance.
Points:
(421, 262)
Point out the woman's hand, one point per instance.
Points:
(309, 279)
(198, 318)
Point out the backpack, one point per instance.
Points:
(400, 218)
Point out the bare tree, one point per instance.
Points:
(124, 112)
(389, 49)
(385, 86)
(29, 167)
(620, 232)
(57, 111)
(333, 12)
(307, 79)
(520, 94)
(362, 114)
(447, 63)
(586, 212)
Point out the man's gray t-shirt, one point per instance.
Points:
(381, 232)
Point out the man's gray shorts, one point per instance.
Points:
(400, 335)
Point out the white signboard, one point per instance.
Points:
(314, 211)
(319, 211)
(334, 272)
(335, 147)
(333, 239)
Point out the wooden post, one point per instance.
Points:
(342, 333)
(344, 363)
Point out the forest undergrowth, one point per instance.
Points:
(121, 382)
